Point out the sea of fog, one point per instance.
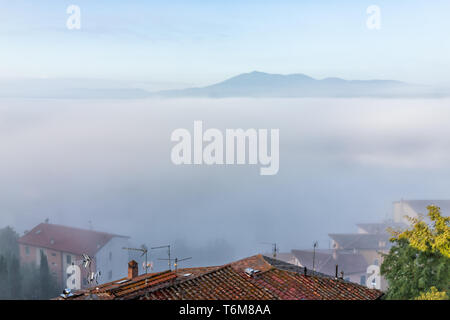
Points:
(106, 163)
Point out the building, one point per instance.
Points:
(413, 208)
(254, 278)
(352, 265)
(64, 246)
(351, 253)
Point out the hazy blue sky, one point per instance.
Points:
(199, 42)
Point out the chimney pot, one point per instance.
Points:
(133, 269)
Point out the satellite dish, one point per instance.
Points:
(148, 265)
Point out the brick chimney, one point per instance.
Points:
(133, 269)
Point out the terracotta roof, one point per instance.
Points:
(66, 239)
(221, 284)
(124, 288)
(287, 285)
(231, 282)
(186, 273)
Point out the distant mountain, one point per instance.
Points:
(260, 84)
(253, 84)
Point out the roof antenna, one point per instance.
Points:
(144, 251)
(314, 255)
(275, 249)
(176, 261)
(87, 264)
(168, 253)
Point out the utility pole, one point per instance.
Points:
(314, 255)
(274, 248)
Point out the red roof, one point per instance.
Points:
(231, 282)
(221, 284)
(66, 239)
(124, 288)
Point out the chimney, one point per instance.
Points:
(133, 269)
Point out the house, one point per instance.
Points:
(352, 265)
(413, 208)
(253, 278)
(64, 246)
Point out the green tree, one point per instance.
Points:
(15, 278)
(8, 242)
(4, 287)
(433, 294)
(419, 259)
(47, 283)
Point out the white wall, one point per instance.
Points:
(112, 260)
(402, 209)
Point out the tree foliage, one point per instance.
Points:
(25, 281)
(433, 294)
(419, 260)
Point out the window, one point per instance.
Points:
(53, 254)
(68, 259)
(110, 275)
(110, 256)
(363, 280)
(27, 251)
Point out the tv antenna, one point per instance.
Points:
(168, 253)
(144, 251)
(315, 244)
(176, 261)
(275, 248)
(86, 262)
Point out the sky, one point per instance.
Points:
(184, 43)
(342, 161)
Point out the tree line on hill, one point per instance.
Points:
(23, 281)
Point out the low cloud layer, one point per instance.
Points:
(342, 161)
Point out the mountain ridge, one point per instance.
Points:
(261, 84)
